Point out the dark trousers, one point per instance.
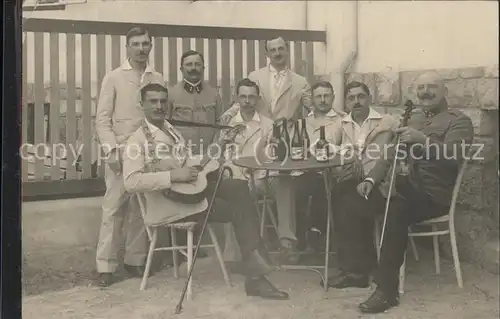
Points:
(355, 224)
(233, 203)
(311, 184)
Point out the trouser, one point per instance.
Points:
(234, 204)
(282, 188)
(355, 224)
(311, 184)
(116, 204)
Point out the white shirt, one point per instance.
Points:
(361, 131)
(149, 69)
(276, 82)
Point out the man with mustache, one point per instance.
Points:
(194, 100)
(118, 116)
(436, 139)
(311, 183)
(154, 161)
(360, 129)
(284, 94)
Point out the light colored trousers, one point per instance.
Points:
(119, 209)
(283, 189)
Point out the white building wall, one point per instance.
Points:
(393, 35)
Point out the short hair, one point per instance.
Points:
(356, 84)
(274, 38)
(322, 84)
(136, 31)
(249, 83)
(152, 87)
(190, 53)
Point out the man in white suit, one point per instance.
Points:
(284, 94)
(119, 115)
(155, 160)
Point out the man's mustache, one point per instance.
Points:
(426, 96)
(358, 105)
(193, 72)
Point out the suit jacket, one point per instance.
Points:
(245, 144)
(294, 96)
(143, 172)
(435, 168)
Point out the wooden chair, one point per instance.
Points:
(447, 223)
(187, 251)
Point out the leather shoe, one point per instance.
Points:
(379, 302)
(105, 279)
(261, 287)
(134, 271)
(346, 280)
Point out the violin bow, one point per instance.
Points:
(406, 116)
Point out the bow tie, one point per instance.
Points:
(191, 88)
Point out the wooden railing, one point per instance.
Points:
(64, 62)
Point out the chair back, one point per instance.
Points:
(458, 184)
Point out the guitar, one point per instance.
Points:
(194, 191)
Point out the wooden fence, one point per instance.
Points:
(64, 62)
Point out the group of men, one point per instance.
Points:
(134, 110)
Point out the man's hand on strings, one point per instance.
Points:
(410, 135)
(184, 174)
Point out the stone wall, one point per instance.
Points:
(474, 91)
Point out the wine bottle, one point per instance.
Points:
(306, 142)
(297, 148)
(285, 136)
(322, 150)
(273, 144)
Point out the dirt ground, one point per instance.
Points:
(53, 290)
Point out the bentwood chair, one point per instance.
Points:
(187, 251)
(440, 226)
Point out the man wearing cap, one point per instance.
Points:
(155, 160)
(118, 116)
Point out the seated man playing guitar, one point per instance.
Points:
(154, 164)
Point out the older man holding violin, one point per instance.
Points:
(435, 138)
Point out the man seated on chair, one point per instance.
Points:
(436, 141)
(154, 161)
(258, 128)
(311, 184)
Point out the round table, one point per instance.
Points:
(310, 164)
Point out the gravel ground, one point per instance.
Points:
(57, 285)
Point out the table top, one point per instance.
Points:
(251, 162)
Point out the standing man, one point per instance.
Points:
(118, 116)
(284, 94)
(193, 99)
(438, 139)
(311, 183)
